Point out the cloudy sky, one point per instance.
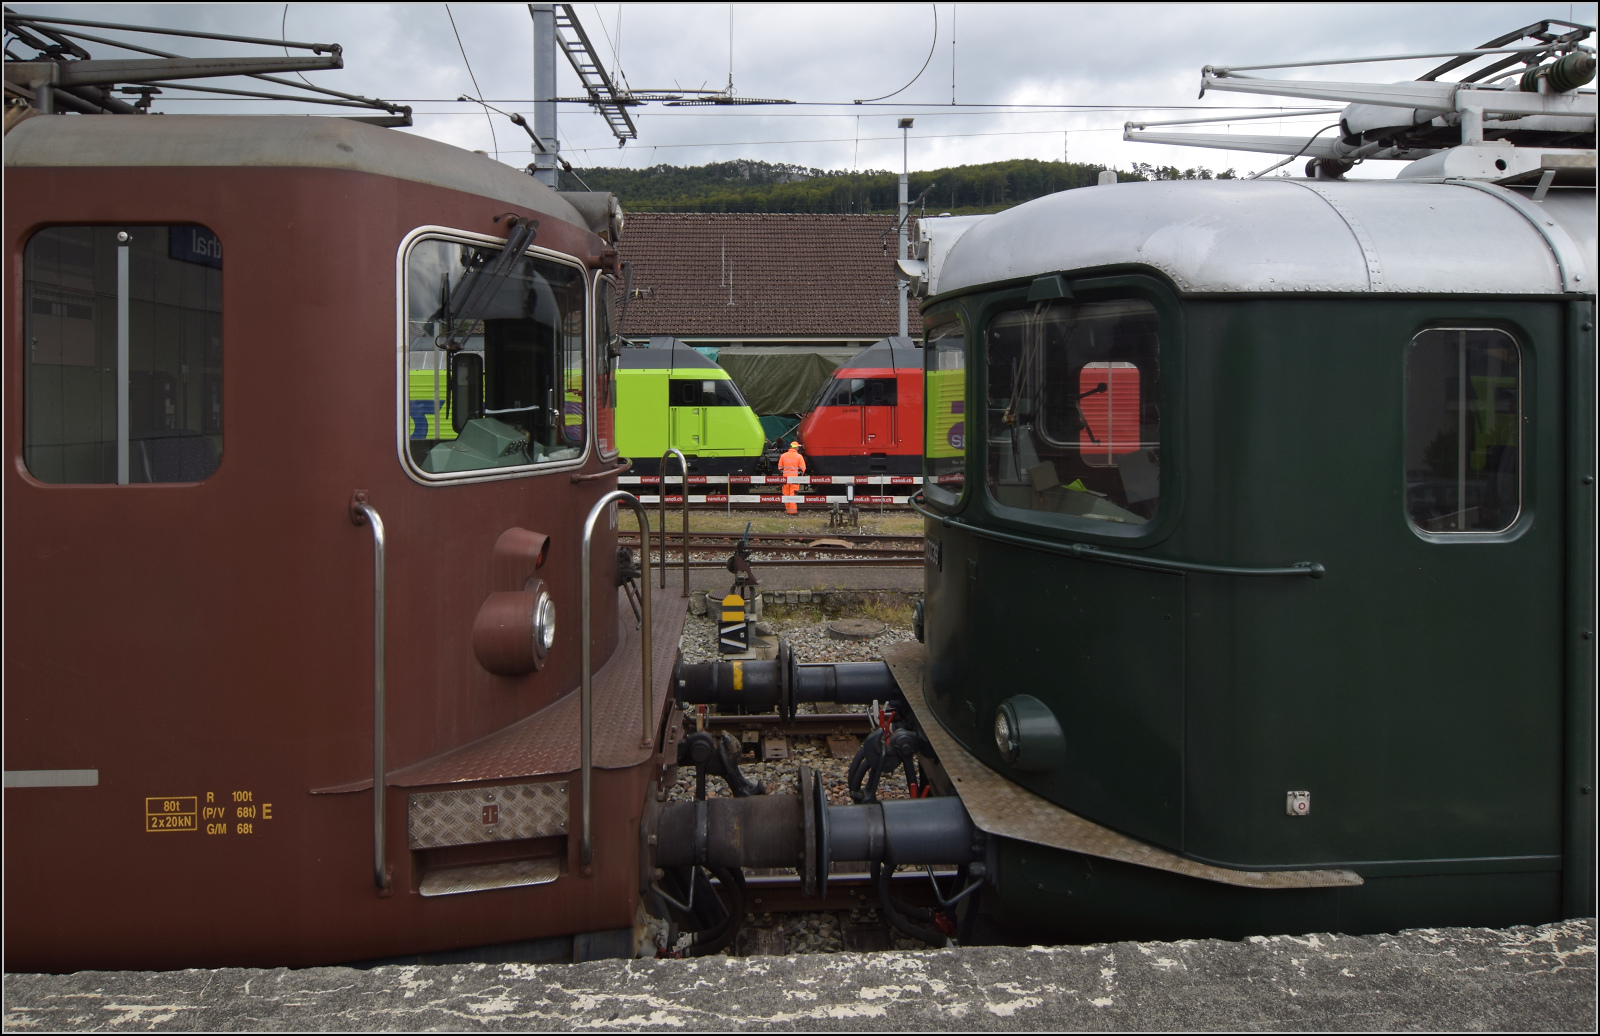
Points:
(1028, 81)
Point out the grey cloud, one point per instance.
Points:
(1086, 54)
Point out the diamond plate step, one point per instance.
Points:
(501, 813)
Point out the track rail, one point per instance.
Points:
(778, 537)
(819, 724)
(903, 561)
(775, 548)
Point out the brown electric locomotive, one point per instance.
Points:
(306, 419)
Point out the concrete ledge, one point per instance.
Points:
(1465, 979)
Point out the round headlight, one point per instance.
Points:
(544, 624)
(1005, 737)
(1028, 735)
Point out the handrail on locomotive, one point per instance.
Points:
(683, 468)
(363, 513)
(647, 737)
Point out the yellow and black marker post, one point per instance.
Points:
(733, 637)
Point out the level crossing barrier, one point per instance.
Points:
(753, 484)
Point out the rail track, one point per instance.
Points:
(791, 549)
(804, 725)
(767, 540)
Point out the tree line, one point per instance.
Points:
(753, 186)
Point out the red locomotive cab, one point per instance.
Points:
(867, 419)
(304, 418)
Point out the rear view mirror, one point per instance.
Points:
(466, 388)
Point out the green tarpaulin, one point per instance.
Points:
(777, 380)
(779, 428)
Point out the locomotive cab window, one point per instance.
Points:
(860, 392)
(123, 367)
(495, 359)
(1463, 431)
(944, 356)
(705, 392)
(1073, 418)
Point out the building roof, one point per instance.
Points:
(755, 275)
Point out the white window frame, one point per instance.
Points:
(403, 378)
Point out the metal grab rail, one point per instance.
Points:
(1088, 552)
(683, 465)
(362, 513)
(622, 464)
(586, 694)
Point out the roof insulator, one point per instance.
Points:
(1572, 71)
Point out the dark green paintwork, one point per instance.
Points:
(1434, 697)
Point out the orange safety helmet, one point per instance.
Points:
(794, 445)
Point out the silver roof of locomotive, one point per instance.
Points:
(283, 141)
(1282, 235)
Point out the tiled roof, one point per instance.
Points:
(756, 274)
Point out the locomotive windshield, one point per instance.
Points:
(526, 338)
(1073, 421)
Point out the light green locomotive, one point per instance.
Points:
(668, 395)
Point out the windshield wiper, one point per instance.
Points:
(473, 293)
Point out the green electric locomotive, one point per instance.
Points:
(1261, 573)
(1260, 582)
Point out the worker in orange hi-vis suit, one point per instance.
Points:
(792, 465)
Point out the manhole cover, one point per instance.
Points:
(855, 629)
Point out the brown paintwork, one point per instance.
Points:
(216, 638)
(518, 553)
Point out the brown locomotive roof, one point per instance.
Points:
(762, 274)
(278, 141)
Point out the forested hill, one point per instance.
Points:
(746, 186)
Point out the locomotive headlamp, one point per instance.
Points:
(515, 629)
(1005, 737)
(1028, 735)
(544, 624)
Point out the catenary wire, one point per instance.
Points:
(475, 87)
(931, 47)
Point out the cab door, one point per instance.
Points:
(687, 415)
(845, 416)
(877, 415)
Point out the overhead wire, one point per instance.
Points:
(475, 87)
(931, 47)
(616, 45)
(846, 140)
(942, 112)
(283, 33)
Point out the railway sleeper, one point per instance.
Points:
(805, 833)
